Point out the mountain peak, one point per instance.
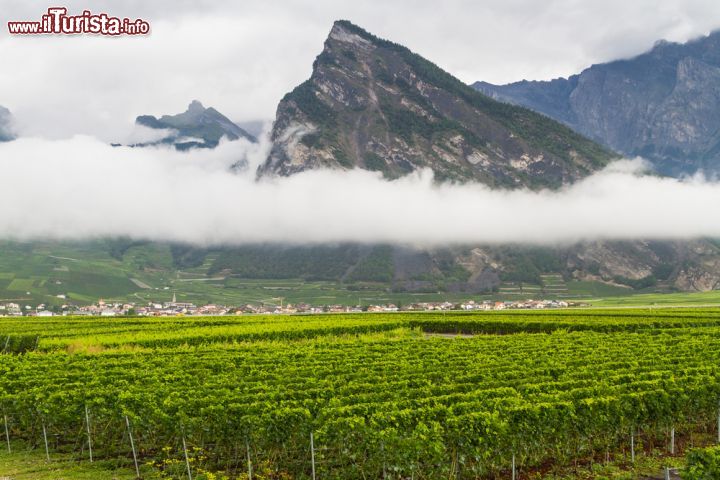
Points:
(345, 30)
(196, 107)
(344, 26)
(375, 105)
(196, 127)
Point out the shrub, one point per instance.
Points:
(703, 464)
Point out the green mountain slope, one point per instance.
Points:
(83, 272)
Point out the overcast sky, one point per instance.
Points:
(71, 95)
(242, 56)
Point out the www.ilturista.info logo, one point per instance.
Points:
(57, 21)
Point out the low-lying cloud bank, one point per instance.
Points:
(81, 188)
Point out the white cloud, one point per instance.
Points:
(81, 188)
(141, 134)
(242, 57)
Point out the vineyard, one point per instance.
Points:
(372, 396)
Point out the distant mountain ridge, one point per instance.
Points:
(375, 105)
(663, 105)
(197, 127)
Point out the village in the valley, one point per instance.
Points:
(175, 308)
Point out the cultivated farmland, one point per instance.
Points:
(391, 396)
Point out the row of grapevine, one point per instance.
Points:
(379, 404)
(63, 332)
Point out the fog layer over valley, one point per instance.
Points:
(82, 188)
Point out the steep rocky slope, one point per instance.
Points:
(375, 105)
(663, 105)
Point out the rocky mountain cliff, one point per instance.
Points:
(6, 131)
(685, 266)
(375, 105)
(198, 127)
(663, 105)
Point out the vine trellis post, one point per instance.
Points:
(7, 433)
(47, 449)
(87, 426)
(382, 451)
(187, 459)
(672, 441)
(132, 446)
(249, 462)
(312, 454)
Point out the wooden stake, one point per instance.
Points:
(87, 425)
(382, 450)
(47, 450)
(672, 441)
(632, 446)
(187, 460)
(132, 446)
(312, 454)
(513, 467)
(7, 433)
(249, 462)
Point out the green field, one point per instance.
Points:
(659, 299)
(24, 464)
(392, 396)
